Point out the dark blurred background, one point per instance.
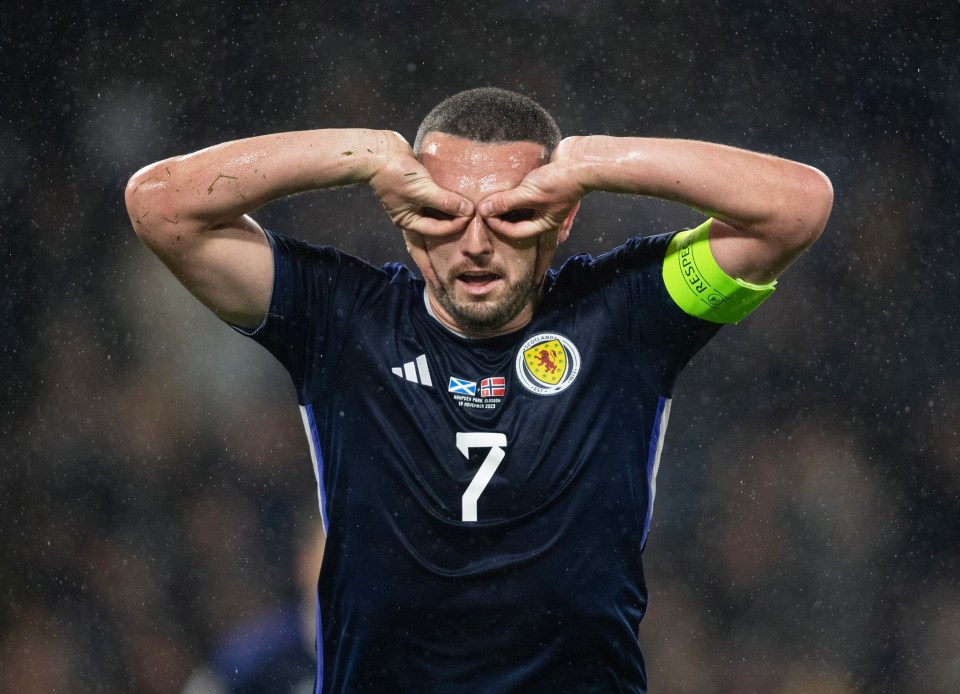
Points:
(155, 476)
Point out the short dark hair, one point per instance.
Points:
(493, 115)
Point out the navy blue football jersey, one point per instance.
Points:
(486, 500)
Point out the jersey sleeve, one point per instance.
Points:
(659, 335)
(317, 290)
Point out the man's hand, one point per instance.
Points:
(415, 203)
(411, 198)
(544, 201)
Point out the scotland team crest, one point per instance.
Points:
(547, 363)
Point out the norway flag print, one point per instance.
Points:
(493, 387)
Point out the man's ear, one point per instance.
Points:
(567, 223)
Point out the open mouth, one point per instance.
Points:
(477, 282)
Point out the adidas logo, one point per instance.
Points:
(415, 371)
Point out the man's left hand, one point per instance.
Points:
(546, 199)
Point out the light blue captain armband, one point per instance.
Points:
(698, 285)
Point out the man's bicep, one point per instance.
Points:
(700, 285)
(228, 268)
(754, 259)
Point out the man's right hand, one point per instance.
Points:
(415, 203)
(411, 198)
(193, 210)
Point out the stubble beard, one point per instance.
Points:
(480, 314)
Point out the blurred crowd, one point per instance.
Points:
(157, 502)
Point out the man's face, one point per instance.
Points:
(484, 283)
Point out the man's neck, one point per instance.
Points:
(438, 313)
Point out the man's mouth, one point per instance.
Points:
(478, 283)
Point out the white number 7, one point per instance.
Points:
(480, 439)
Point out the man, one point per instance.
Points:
(485, 439)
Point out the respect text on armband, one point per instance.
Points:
(693, 277)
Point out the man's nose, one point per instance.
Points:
(476, 238)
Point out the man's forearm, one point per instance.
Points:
(753, 192)
(191, 210)
(221, 183)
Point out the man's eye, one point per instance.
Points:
(434, 213)
(523, 214)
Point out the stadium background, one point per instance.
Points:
(154, 472)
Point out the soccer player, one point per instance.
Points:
(485, 438)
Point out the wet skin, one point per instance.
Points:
(483, 283)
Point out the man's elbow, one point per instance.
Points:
(817, 203)
(146, 196)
